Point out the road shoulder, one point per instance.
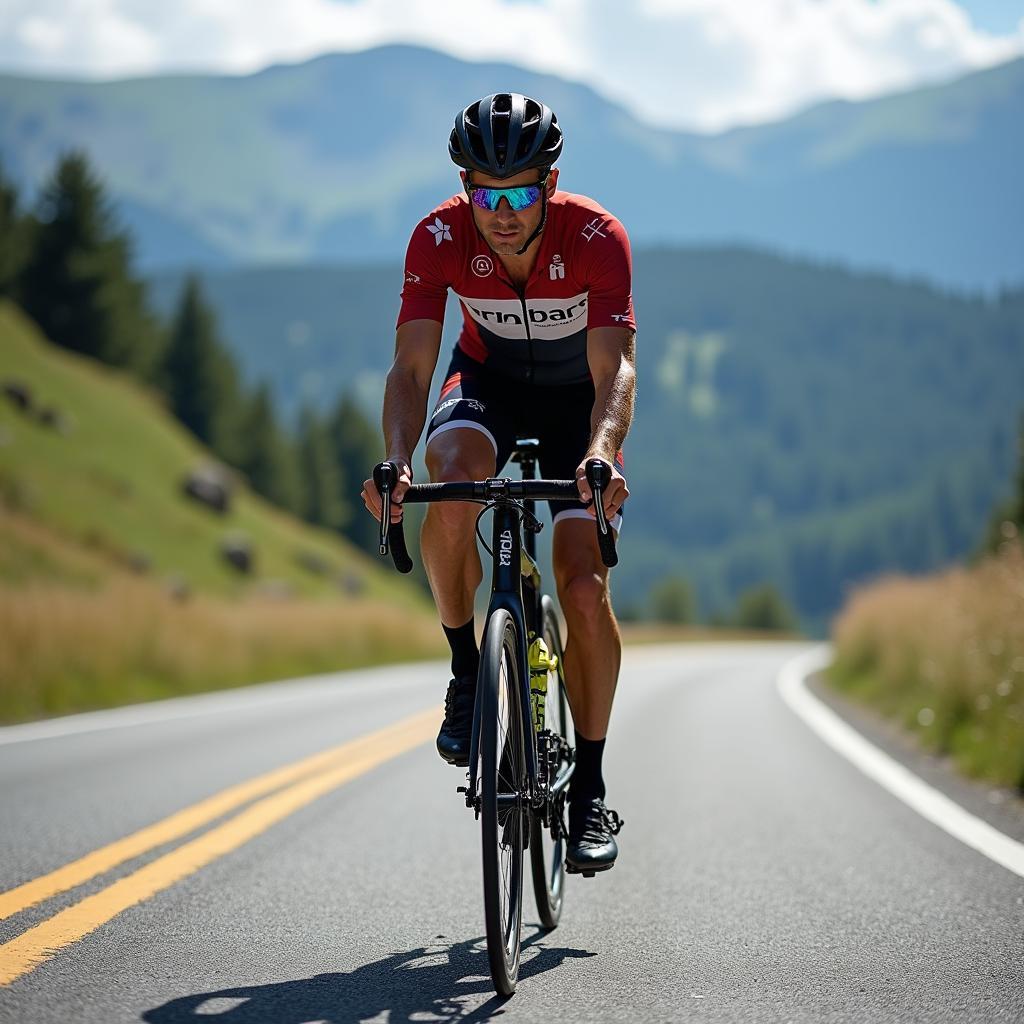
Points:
(999, 807)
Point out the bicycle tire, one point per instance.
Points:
(502, 773)
(547, 845)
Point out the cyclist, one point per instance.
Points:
(546, 348)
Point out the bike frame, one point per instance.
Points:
(508, 564)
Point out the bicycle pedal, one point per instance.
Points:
(585, 872)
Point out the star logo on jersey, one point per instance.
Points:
(482, 266)
(440, 231)
(593, 228)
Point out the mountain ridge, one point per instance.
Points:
(278, 165)
(822, 425)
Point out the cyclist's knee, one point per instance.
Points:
(583, 595)
(459, 455)
(445, 465)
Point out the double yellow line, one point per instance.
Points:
(290, 789)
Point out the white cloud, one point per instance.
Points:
(686, 63)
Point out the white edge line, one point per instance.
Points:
(887, 772)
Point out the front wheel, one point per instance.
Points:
(503, 797)
(547, 844)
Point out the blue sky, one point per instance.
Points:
(703, 65)
(994, 15)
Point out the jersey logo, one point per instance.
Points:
(411, 278)
(543, 320)
(482, 266)
(440, 231)
(621, 316)
(593, 228)
(556, 271)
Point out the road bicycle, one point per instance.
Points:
(521, 755)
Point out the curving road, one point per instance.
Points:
(195, 861)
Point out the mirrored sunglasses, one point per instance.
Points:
(519, 198)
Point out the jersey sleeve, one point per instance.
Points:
(426, 284)
(610, 276)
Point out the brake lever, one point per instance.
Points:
(384, 478)
(599, 475)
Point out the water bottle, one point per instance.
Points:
(541, 662)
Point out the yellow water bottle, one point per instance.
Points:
(541, 662)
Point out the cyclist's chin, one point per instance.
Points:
(506, 245)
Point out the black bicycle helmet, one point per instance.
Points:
(505, 134)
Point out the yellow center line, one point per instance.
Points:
(178, 824)
(336, 766)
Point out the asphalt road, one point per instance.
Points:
(761, 878)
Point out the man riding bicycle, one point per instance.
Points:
(546, 349)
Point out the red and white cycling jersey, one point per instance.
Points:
(582, 279)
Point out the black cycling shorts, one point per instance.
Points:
(506, 410)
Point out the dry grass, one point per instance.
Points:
(945, 655)
(64, 648)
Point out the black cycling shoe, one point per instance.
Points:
(453, 739)
(592, 831)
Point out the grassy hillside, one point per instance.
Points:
(112, 483)
(112, 582)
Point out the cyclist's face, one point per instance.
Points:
(504, 229)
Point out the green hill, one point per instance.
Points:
(113, 584)
(112, 482)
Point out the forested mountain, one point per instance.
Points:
(797, 423)
(333, 160)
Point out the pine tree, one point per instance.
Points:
(672, 601)
(200, 377)
(323, 502)
(1017, 502)
(763, 607)
(1006, 523)
(78, 283)
(13, 237)
(269, 459)
(357, 449)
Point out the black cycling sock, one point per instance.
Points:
(587, 780)
(465, 653)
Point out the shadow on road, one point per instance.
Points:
(441, 980)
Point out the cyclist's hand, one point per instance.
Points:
(614, 494)
(371, 496)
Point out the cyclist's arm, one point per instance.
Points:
(611, 354)
(417, 344)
